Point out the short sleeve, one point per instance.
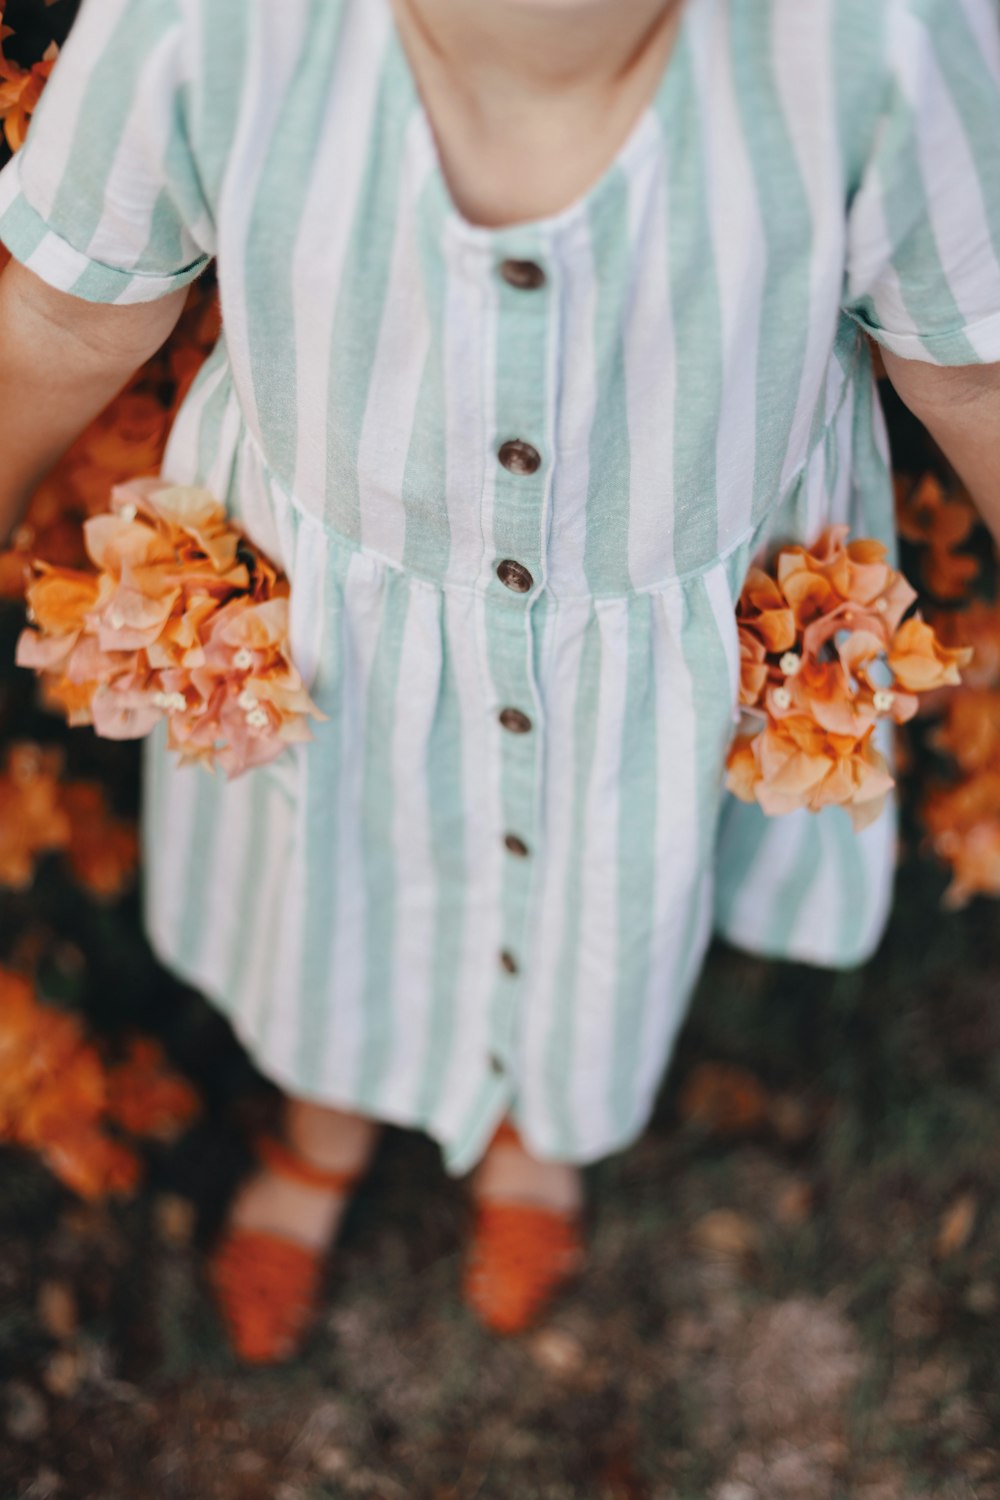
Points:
(923, 243)
(103, 199)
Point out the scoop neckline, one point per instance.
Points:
(645, 131)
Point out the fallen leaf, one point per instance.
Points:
(956, 1225)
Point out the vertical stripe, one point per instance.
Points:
(279, 196)
(361, 300)
(643, 791)
(605, 559)
(785, 216)
(694, 294)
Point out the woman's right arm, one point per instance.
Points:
(62, 359)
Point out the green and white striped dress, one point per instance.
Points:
(488, 883)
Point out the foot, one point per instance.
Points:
(509, 1174)
(266, 1267)
(308, 1215)
(527, 1238)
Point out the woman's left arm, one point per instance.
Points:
(960, 407)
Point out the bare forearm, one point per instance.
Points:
(961, 410)
(61, 362)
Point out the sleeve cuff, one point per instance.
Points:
(975, 343)
(36, 245)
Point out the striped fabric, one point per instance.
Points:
(694, 375)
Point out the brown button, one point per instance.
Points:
(514, 844)
(514, 720)
(514, 575)
(508, 962)
(518, 457)
(496, 1063)
(525, 275)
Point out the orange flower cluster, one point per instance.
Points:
(124, 442)
(939, 521)
(184, 620)
(825, 654)
(21, 88)
(40, 813)
(963, 818)
(58, 1095)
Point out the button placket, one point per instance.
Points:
(521, 456)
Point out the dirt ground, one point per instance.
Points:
(793, 1287)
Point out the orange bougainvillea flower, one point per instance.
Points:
(145, 1096)
(919, 660)
(102, 851)
(940, 522)
(964, 825)
(20, 91)
(32, 818)
(823, 658)
(184, 619)
(58, 1094)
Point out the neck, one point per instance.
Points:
(531, 51)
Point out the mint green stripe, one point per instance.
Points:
(443, 770)
(859, 50)
(786, 219)
(697, 321)
(705, 655)
(364, 282)
(107, 101)
(923, 283)
(320, 828)
(198, 863)
(640, 787)
(566, 992)
(854, 885)
(743, 832)
(976, 99)
(21, 229)
(605, 557)
(272, 232)
(427, 541)
(223, 47)
(778, 923)
(377, 813)
(250, 892)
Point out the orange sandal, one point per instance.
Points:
(266, 1287)
(520, 1256)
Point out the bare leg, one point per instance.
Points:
(508, 1172)
(329, 1137)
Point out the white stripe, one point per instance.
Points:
(53, 132)
(741, 264)
(981, 18)
(597, 978)
(467, 395)
(484, 855)
(364, 602)
(559, 686)
(420, 671)
(274, 44)
(959, 217)
(723, 607)
(574, 302)
(650, 381)
(676, 838)
(138, 170)
(306, 605)
(397, 372)
(328, 214)
(803, 59)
